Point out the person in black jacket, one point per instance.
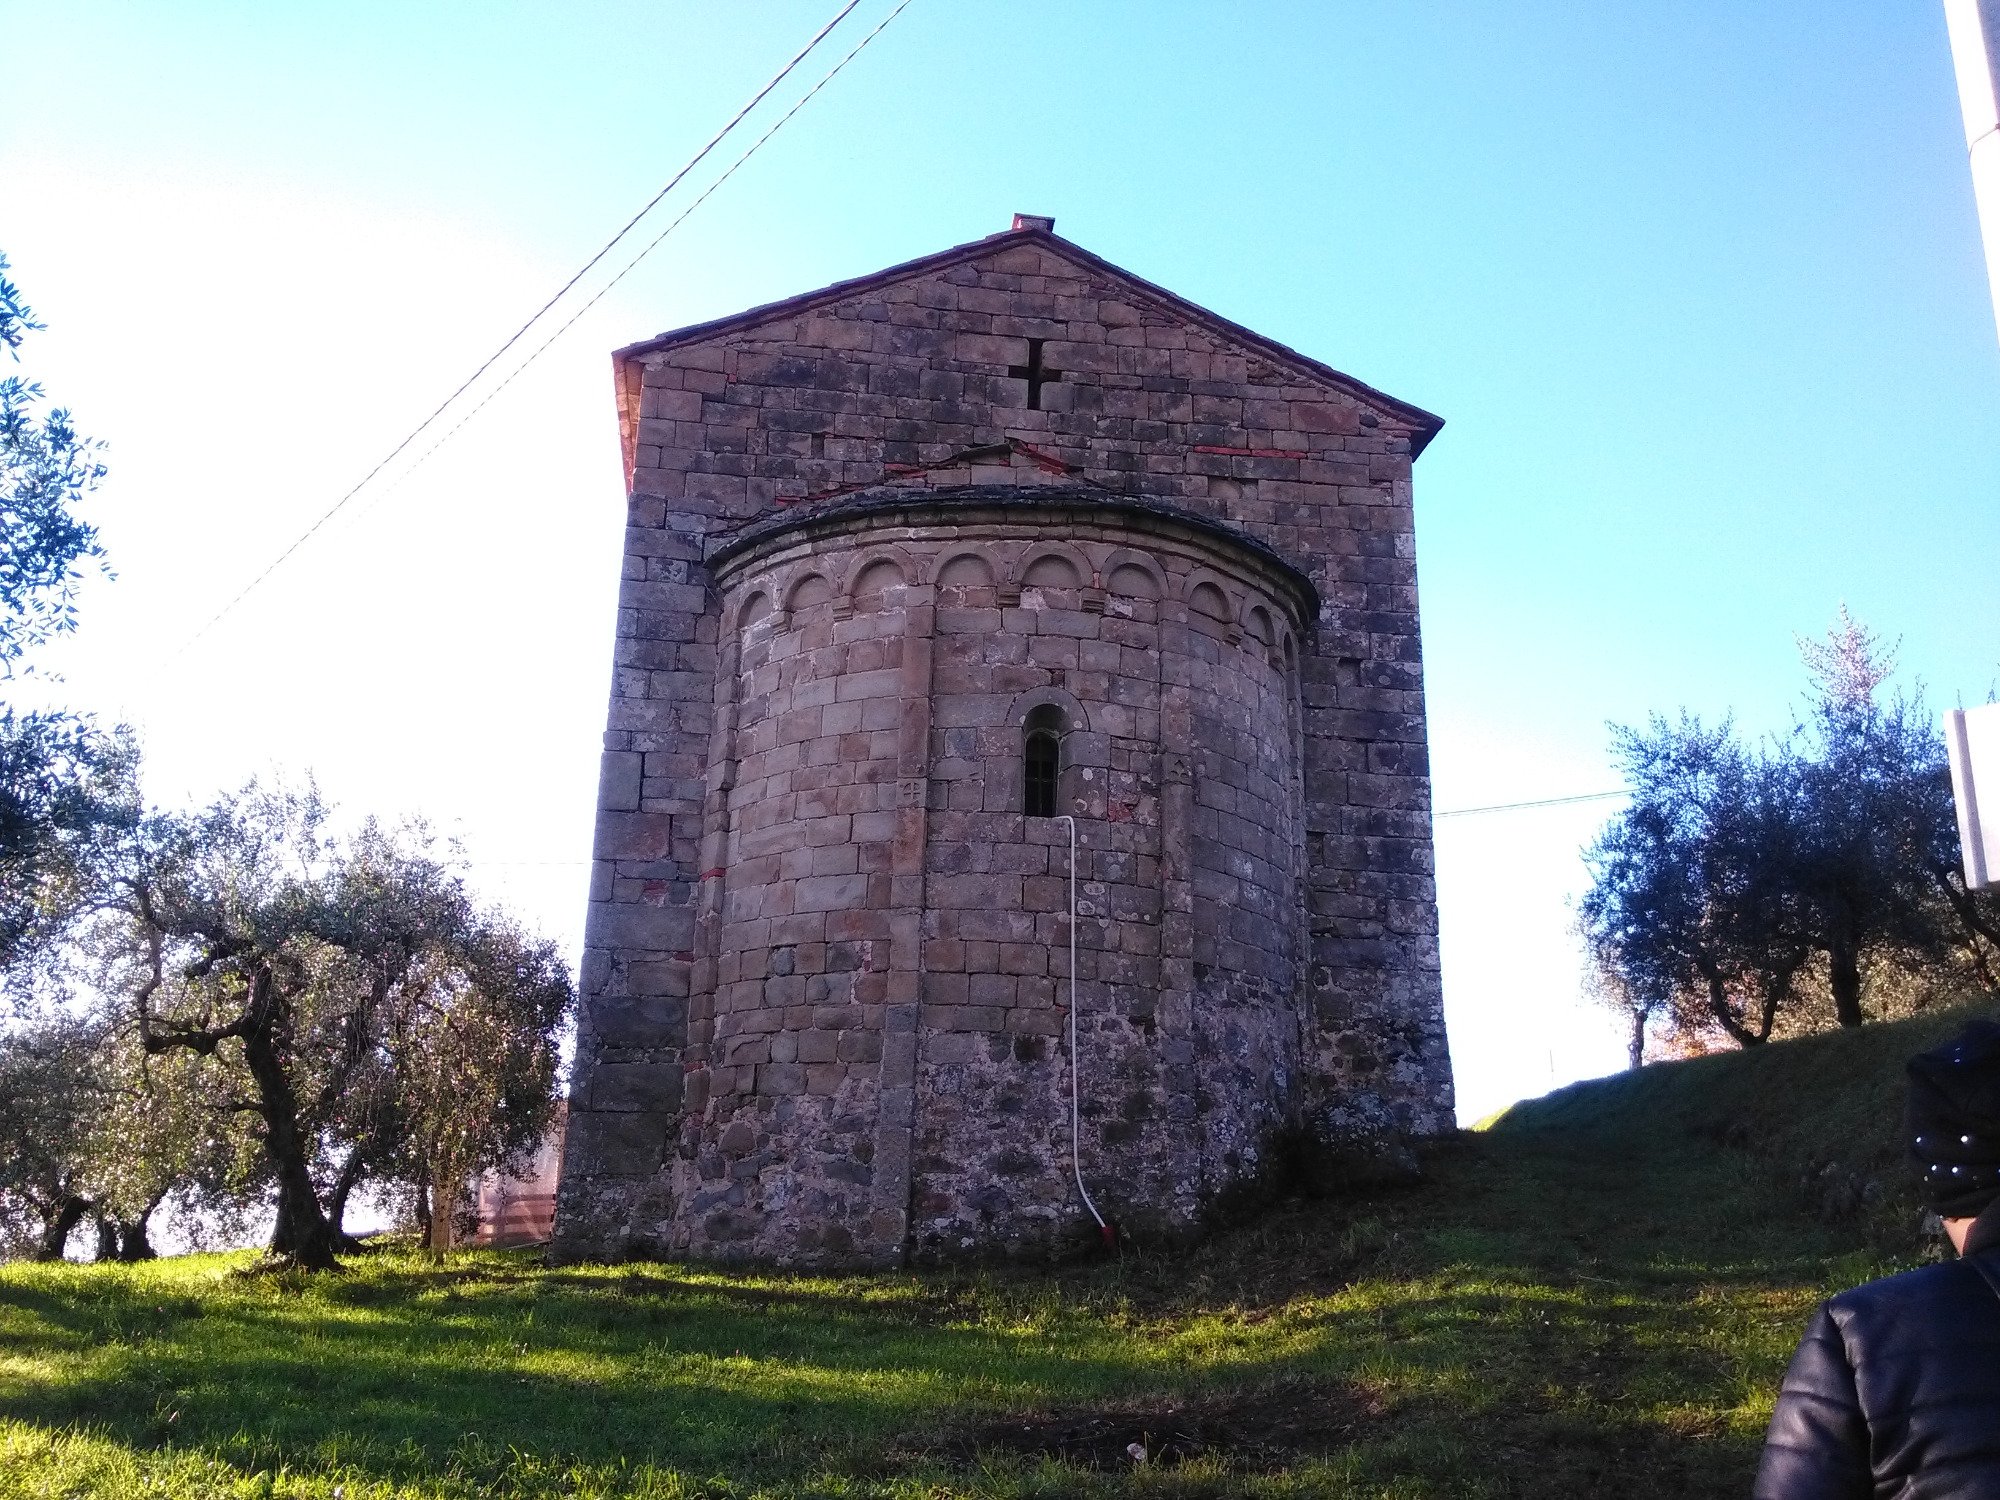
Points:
(1895, 1389)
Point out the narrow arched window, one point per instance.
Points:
(1041, 759)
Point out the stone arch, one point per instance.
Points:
(1049, 697)
(807, 590)
(1257, 622)
(1055, 565)
(1134, 575)
(967, 568)
(1207, 598)
(757, 607)
(878, 572)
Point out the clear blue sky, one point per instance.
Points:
(1697, 288)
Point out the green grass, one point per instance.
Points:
(1822, 1113)
(1595, 1296)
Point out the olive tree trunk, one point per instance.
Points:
(1844, 979)
(302, 1234)
(56, 1230)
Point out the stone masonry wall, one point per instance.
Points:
(920, 377)
(794, 1156)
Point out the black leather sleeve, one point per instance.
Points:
(1817, 1448)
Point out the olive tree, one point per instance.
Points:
(1739, 877)
(474, 1061)
(68, 798)
(46, 470)
(162, 1130)
(64, 784)
(1688, 908)
(302, 960)
(51, 1095)
(462, 1077)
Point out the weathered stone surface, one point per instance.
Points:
(620, 1144)
(629, 1087)
(827, 983)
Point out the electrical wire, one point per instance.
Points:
(1455, 812)
(520, 332)
(632, 264)
(1466, 812)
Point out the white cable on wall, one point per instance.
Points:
(1075, 1059)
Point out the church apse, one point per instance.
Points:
(919, 568)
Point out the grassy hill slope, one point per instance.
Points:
(1595, 1297)
(1823, 1113)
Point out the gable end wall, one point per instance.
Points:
(888, 385)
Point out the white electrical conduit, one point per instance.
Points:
(1075, 1062)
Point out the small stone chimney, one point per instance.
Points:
(1044, 222)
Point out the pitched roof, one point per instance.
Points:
(1424, 425)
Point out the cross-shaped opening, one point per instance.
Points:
(1035, 373)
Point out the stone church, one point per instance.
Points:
(1014, 812)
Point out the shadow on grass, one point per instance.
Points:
(692, 1381)
(1546, 1316)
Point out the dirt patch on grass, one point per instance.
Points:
(1264, 1430)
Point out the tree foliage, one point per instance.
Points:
(50, 1092)
(474, 1062)
(68, 795)
(160, 1131)
(265, 1010)
(47, 469)
(234, 1002)
(1687, 909)
(328, 973)
(65, 785)
(1742, 879)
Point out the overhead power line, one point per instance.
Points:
(514, 338)
(631, 265)
(1494, 807)
(1455, 812)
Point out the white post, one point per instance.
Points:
(1975, 55)
(1972, 740)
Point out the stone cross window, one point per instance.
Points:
(1041, 759)
(1035, 373)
